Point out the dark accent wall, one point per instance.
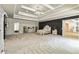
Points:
(56, 24)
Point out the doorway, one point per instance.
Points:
(71, 28)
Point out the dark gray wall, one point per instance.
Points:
(54, 24)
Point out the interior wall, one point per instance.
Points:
(54, 24)
(10, 25)
(68, 24)
(1, 32)
(2, 13)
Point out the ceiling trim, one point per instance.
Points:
(23, 17)
(54, 14)
(64, 18)
(26, 14)
(47, 12)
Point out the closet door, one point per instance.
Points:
(1, 33)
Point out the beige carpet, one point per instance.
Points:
(32, 43)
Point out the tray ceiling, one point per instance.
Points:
(37, 12)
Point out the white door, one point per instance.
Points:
(1, 33)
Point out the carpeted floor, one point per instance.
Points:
(32, 43)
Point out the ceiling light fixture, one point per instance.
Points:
(48, 6)
(31, 9)
(26, 14)
(39, 13)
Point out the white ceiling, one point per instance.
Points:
(40, 12)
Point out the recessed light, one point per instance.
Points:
(25, 7)
(26, 14)
(48, 6)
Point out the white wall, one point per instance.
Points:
(1, 29)
(10, 27)
(1, 33)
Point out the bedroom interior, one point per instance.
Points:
(40, 28)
